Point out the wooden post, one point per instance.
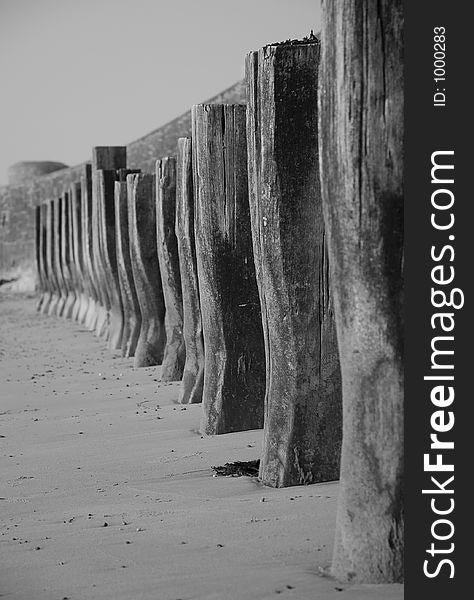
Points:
(106, 200)
(103, 158)
(146, 270)
(73, 266)
(167, 245)
(91, 314)
(103, 304)
(193, 374)
(66, 255)
(234, 373)
(40, 252)
(60, 250)
(48, 209)
(39, 284)
(131, 307)
(361, 125)
(303, 421)
(57, 305)
(81, 302)
(53, 305)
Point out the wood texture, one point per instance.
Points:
(146, 270)
(167, 246)
(66, 256)
(103, 158)
(49, 271)
(106, 199)
(80, 305)
(131, 307)
(193, 374)
(303, 410)
(40, 254)
(103, 304)
(234, 372)
(57, 305)
(90, 317)
(361, 124)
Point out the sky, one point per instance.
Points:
(81, 73)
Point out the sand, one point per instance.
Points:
(107, 490)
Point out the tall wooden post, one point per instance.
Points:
(66, 255)
(106, 200)
(89, 318)
(175, 352)
(37, 249)
(234, 372)
(131, 307)
(48, 209)
(103, 158)
(56, 307)
(193, 374)
(51, 257)
(302, 434)
(361, 125)
(146, 270)
(40, 254)
(101, 325)
(77, 264)
(73, 264)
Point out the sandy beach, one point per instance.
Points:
(107, 489)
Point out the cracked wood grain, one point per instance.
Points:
(234, 370)
(303, 421)
(361, 125)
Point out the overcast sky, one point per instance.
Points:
(81, 73)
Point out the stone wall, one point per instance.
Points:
(17, 202)
(21, 172)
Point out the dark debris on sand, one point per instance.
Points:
(238, 469)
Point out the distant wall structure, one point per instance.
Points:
(31, 183)
(21, 172)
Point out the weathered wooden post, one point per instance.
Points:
(106, 200)
(40, 255)
(175, 353)
(52, 286)
(361, 125)
(57, 305)
(193, 374)
(89, 318)
(102, 324)
(131, 307)
(103, 158)
(53, 305)
(146, 270)
(61, 242)
(66, 255)
(234, 372)
(73, 264)
(303, 422)
(37, 251)
(81, 302)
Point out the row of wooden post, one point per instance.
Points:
(221, 266)
(118, 249)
